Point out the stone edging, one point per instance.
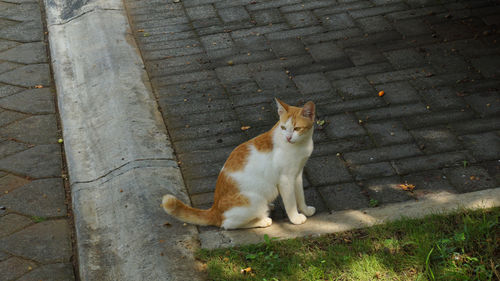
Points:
(120, 160)
(353, 219)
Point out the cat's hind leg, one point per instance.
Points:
(254, 215)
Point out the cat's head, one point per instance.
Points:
(296, 123)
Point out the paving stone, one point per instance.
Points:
(7, 117)
(276, 80)
(196, 119)
(6, 44)
(412, 27)
(429, 182)
(7, 90)
(378, 10)
(342, 126)
(252, 43)
(332, 35)
(165, 54)
(234, 74)
(436, 140)
(405, 58)
(288, 47)
(14, 267)
(326, 52)
(201, 12)
(388, 132)
(267, 16)
(202, 189)
(430, 162)
(398, 92)
(12, 223)
(44, 242)
(202, 171)
(349, 105)
(257, 115)
(337, 21)
(28, 75)
(363, 55)
(341, 145)
(470, 179)
(38, 198)
(382, 154)
(8, 66)
(327, 170)
(354, 87)
(259, 30)
(358, 71)
(386, 190)
(216, 41)
(437, 118)
(301, 19)
(41, 129)
(9, 182)
(55, 272)
(233, 14)
(392, 111)
(344, 197)
(27, 162)
(24, 12)
(484, 146)
(443, 98)
(271, 4)
(34, 101)
(476, 125)
(493, 168)
(28, 53)
(205, 130)
(306, 6)
(485, 103)
(11, 147)
(342, 8)
(312, 83)
(211, 142)
(3, 256)
(294, 33)
(444, 60)
(399, 75)
(374, 24)
(28, 31)
(184, 78)
(373, 170)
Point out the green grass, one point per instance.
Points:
(462, 246)
(37, 219)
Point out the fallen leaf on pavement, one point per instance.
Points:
(381, 93)
(38, 86)
(244, 128)
(407, 186)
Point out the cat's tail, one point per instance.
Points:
(181, 211)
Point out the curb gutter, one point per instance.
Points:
(120, 160)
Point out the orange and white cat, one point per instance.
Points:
(256, 172)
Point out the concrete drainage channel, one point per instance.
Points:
(121, 162)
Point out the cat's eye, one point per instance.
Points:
(297, 128)
(283, 128)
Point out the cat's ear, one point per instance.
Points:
(282, 107)
(308, 110)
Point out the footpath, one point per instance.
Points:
(153, 95)
(35, 219)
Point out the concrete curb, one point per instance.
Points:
(119, 156)
(353, 219)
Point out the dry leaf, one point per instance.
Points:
(167, 224)
(226, 259)
(381, 93)
(244, 128)
(246, 270)
(140, 30)
(407, 186)
(38, 86)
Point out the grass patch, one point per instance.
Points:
(37, 219)
(461, 246)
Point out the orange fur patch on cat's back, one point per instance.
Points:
(238, 158)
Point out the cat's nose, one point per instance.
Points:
(288, 138)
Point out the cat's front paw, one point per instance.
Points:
(298, 219)
(309, 211)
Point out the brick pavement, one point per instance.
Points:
(35, 229)
(216, 65)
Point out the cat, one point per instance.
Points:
(256, 172)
